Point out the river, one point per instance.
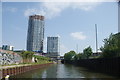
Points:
(62, 71)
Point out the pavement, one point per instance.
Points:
(11, 66)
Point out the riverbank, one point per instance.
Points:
(109, 66)
(18, 69)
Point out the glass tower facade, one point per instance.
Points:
(35, 35)
(53, 46)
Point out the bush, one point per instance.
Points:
(70, 55)
(27, 56)
(111, 46)
(87, 52)
(41, 58)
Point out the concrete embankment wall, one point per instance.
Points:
(0, 74)
(105, 65)
(21, 69)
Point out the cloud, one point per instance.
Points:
(53, 9)
(78, 35)
(30, 11)
(85, 6)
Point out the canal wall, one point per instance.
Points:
(106, 65)
(0, 74)
(20, 69)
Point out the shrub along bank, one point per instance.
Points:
(28, 58)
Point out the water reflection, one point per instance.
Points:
(62, 71)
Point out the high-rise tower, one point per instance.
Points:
(35, 35)
(53, 47)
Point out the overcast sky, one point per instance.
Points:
(74, 22)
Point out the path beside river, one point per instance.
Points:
(11, 66)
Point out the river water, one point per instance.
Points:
(62, 71)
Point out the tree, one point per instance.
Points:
(27, 56)
(41, 58)
(111, 46)
(78, 56)
(70, 55)
(87, 52)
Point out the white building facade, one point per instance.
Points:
(7, 47)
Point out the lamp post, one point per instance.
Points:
(118, 15)
(96, 38)
(77, 48)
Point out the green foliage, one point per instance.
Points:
(78, 56)
(27, 56)
(41, 58)
(87, 52)
(111, 46)
(73, 56)
(70, 55)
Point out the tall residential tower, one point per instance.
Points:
(35, 35)
(53, 47)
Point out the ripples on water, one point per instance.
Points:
(61, 71)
